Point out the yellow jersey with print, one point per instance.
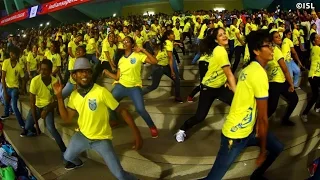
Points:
(187, 27)
(254, 27)
(286, 46)
(139, 41)
(246, 56)
(130, 69)
(33, 61)
(232, 34)
(120, 44)
(147, 35)
(202, 30)
(44, 94)
(315, 62)
(215, 76)
(93, 120)
(247, 29)
(54, 58)
(73, 47)
(162, 57)
(301, 36)
(274, 71)
(107, 48)
(270, 20)
(12, 73)
(252, 85)
(177, 33)
(91, 46)
(236, 41)
(156, 28)
(295, 37)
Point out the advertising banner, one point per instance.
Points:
(15, 17)
(59, 5)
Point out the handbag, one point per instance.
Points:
(7, 173)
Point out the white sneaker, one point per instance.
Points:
(304, 118)
(180, 136)
(317, 110)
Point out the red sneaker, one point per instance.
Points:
(190, 99)
(154, 132)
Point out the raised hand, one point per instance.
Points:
(57, 88)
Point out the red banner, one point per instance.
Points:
(17, 16)
(59, 5)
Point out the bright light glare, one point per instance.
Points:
(48, 23)
(219, 9)
(24, 35)
(41, 25)
(151, 13)
(114, 15)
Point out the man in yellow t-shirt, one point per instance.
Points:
(11, 73)
(91, 102)
(248, 113)
(42, 104)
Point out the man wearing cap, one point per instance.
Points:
(91, 102)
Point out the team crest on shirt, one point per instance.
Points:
(133, 60)
(318, 67)
(93, 104)
(243, 76)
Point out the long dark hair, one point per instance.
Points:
(313, 37)
(164, 38)
(285, 33)
(121, 53)
(208, 43)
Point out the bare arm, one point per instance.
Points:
(285, 71)
(230, 77)
(262, 123)
(239, 39)
(70, 52)
(295, 55)
(111, 75)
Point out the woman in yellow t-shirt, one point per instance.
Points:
(33, 62)
(287, 49)
(280, 82)
(128, 79)
(54, 56)
(164, 65)
(216, 82)
(314, 76)
(239, 44)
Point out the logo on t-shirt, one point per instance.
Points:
(133, 60)
(92, 104)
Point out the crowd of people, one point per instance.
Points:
(66, 62)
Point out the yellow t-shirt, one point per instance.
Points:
(139, 41)
(73, 47)
(147, 34)
(12, 74)
(247, 28)
(197, 27)
(120, 44)
(246, 56)
(253, 84)
(295, 37)
(22, 61)
(130, 69)
(1, 55)
(156, 28)
(232, 34)
(70, 68)
(168, 46)
(55, 59)
(215, 76)
(202, 30)
(315, 62)
(107, 48)
(264, 27)
(187, 27)
(205, 58)
(301, 36)
(162, 57)
(91, 46)
(236, 41)
(239, 22)
(274, 71)
(44, 94)
(33, 61)
(220, 24)
(177, 33)
(287, 44)
(93, 120)
(254, 27)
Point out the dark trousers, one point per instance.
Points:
(231, 49)
(207, 96)
(277, 89)
(315, 85)
(182, 48)
(239, 50)
(98, 68)
(157, 73)
(228, 153)
(187, 34)
(203, 68)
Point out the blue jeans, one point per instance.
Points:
(49, 125)
(135, 94)
(175, 67)
(92, 58)
(80, 143)
(228, 154)
(197, 57)
(67, 90)
(294, 71)
(13, 94)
